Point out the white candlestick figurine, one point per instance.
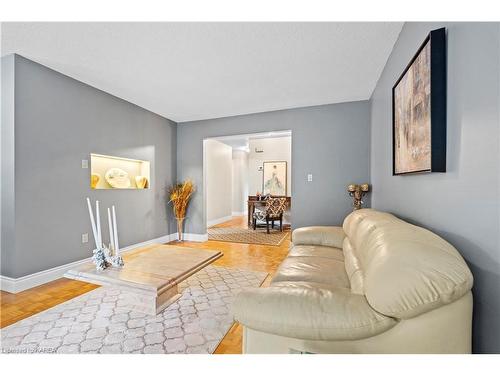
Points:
(111, 237)
(102, 256)
(94, 231)
(98, 225)
(115, 231)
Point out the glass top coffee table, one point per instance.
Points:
(149, 278)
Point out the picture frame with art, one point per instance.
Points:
(274, 178)
(419, 110)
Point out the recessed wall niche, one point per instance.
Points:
(112, 172)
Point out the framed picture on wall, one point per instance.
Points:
(419, 110)
(274, 178)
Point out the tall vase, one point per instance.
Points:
(180, 233)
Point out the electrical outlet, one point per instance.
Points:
(85, 238)
(85, 164)
(309, 177)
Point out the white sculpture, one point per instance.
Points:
(117, 178)
(103, 256)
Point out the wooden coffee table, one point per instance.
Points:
(150, 278)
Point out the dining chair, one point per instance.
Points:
(273, 210)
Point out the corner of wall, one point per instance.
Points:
(7, 152)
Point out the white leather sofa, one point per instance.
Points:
(376, 285)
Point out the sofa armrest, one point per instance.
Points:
(319, 235)
(309, 313)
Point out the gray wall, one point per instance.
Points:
(462, 205)
(331, 141)
(58, 122)
(7, 164)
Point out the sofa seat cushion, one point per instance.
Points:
(313, 269)
(316, 251)
(319, 235)
(300, 284)
(308, 312)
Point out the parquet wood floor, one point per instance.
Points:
(15, 307)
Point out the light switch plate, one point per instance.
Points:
(309, 177)
(85, 238)
(85, 164)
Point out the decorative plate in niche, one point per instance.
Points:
(117, 178)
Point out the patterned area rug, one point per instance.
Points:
(100, 322)
(243, 235)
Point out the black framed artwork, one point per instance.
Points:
(419, 110)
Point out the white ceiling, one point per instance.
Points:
(240, 142)
(193, 71)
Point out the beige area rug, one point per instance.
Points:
(100, 321)
(244, 235)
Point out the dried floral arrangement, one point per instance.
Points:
(180, 194)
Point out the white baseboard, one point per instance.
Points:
(236, 213)
(163, 239)
(195, 237)
(218, 221)
(16, 285)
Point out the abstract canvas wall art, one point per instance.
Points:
(419, 110)
(274, 178)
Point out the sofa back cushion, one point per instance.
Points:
(407, 270)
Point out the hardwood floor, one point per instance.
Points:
(21, 305)
(244, 256)
(15, 307)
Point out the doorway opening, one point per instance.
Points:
(247, 187)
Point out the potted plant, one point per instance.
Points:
(180, 194)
